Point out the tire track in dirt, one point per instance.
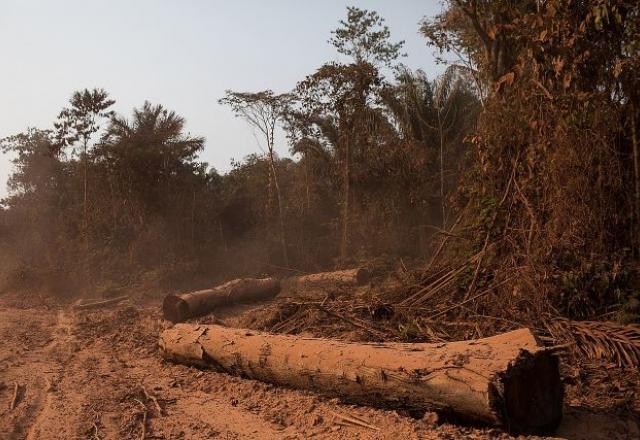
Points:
(58, 351)
(26, 335)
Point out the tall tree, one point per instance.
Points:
(340, 97)
(263, 110)
(365, 38)
(148, 155)
(447, 89)
(78, 123)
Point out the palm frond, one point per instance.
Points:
(609, 341)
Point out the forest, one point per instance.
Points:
(500, 199)
(106, 198)
(524, 152)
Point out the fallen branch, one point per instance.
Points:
(153, 399)
(444, 241)
(95, 435)
(348, 320)
(14, 399)
(99, 304)
(354, 420)
(468, 300)
(143, 434)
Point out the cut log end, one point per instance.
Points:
(175, 309)
(528, 396)
(363, 276)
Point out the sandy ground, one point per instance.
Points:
(98, 375)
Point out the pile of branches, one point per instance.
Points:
(341, 318)
(549, 212)
(480, 306)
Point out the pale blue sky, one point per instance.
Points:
(182, 54)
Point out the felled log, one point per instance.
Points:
(352, 277)
(505, 380)
(178, 307)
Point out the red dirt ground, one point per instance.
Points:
(96, 374)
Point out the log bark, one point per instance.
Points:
(179, 307)
(352, 277)
(505, 380)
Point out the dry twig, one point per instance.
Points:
(350, 321)
(354, 420)
(99, 304)
(14, 399)
(444, 241)
(143, 434)
(472, 286)
(152, 398)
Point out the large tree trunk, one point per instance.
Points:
(506, 380)
(179, 307)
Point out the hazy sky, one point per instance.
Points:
(181, 54)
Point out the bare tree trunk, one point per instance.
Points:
(505, 380)
(283, 239)
(636, 171)
(441, 135)
(306, 181)
(224, 241)
(84, 199)
(193, 220)
(344, 241)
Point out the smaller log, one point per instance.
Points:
(179, 307)
(351, 277)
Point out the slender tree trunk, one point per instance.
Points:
(114, 208)
(306, 179)
(222, 239)
(193, 220)
(636, 170)
(441, 135)
(344, 241)
(283, 240)
(84, 199)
